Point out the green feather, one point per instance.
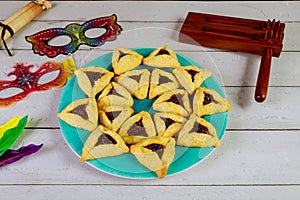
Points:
(10, 135)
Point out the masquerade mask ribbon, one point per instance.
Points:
(77, 34)
(28, 81)
(3, 32)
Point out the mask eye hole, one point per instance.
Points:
(95, 32)
(9, 92)
(48, 77)
(58, 41)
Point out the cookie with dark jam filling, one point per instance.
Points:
(155, 153)
(161, 81)
(93, 79)
(162, 57)
(103, 143)
(168, 124)
(81, 113)
(114, 95)
(113, 117)
(137, 127)
(191, 77)
(124, 60)
(208, 102)
(136, 82)
(197, 132)
(175, 101)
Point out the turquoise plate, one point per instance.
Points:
(126, 165)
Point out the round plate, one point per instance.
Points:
(126, 165)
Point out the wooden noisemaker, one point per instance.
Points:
(246, 35)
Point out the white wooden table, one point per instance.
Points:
(259, 155)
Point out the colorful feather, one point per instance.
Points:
(10, 135)
(11, 156)
(8, 125)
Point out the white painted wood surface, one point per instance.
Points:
(258, 158)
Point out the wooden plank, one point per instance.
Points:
(230, 68)
(244, 157)
(245, 112)
(150, 11)
(62, 192)
(151, 34)
(234, 67)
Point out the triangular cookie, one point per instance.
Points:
(114, 94)
(168, 124)
(113, 117)
(191, 77)
(162, 57)
(136, 82)
(208, 102)
(175, 101)
(93, 80)
(197, 132)
(124, 60)
(81, 113)
(156, 153)
(103, 143)
(160, 82)
(137, 127)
